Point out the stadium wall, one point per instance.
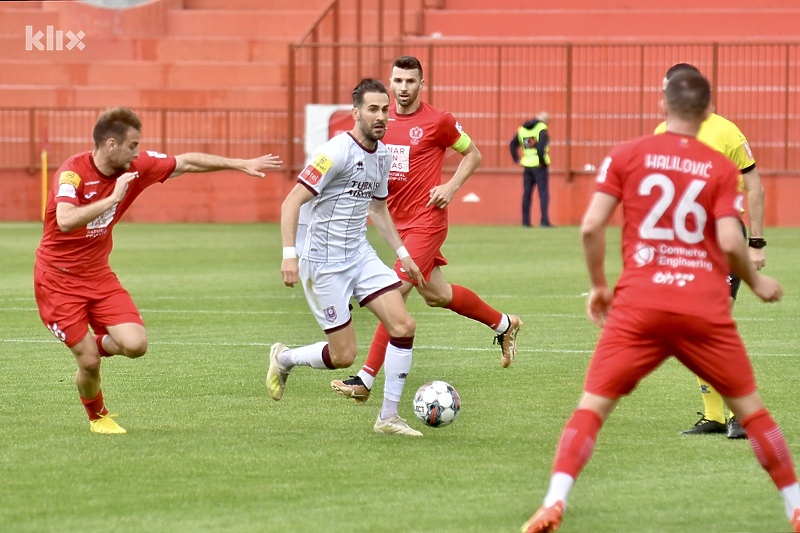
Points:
(230, 197)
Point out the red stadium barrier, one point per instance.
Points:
(199, 84)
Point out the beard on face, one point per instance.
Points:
(370, 134)
(122, 165)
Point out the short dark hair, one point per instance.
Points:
(115, 123)
(681, 67)
(688, 94)
(408, 63)
(367, 85)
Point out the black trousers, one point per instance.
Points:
(536, 177)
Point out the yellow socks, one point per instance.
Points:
(712, 402)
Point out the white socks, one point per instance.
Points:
(397, 366)
(560, 487)
(389, 409)
(366, 378)
(503, 325)
(791, 497)
(310, 355)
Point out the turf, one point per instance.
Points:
(208, 451)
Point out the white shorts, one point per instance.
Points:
(329, 287)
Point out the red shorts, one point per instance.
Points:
(635, 341)
(69, 305)
(425, 246)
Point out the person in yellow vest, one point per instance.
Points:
(530, 148)
(725, 137)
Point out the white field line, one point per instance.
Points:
(417, 346)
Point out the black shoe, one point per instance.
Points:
(735, 430)
(705, 426)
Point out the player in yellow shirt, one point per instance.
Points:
(724, 136)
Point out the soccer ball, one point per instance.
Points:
(437, 404)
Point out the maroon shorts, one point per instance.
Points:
(69, 305)
(425, 246)
(635, 341)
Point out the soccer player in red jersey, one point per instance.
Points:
(73, 283)
(681, 234)
(418, 137)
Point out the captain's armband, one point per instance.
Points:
(462, 143)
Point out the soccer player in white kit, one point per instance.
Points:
(324, 222)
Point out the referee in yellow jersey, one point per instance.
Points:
(725, 137)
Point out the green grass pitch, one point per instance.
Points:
(208, 451)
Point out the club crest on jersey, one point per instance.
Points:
(416, 134)
(644, 254)
(330, 313)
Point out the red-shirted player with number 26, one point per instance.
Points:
(681, 235)
(74, 285)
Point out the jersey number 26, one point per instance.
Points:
(687, 205)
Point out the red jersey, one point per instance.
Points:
(84, 251)
(673, 188)
(418, 142)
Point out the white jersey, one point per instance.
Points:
(344, 177)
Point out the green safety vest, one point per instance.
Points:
(528, 139)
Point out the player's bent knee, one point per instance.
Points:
(404, 328)
(89, 364)
(436, 301)
(135, 348)
(343, 358)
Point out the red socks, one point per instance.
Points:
(577, 442)
(467, 303)
(95, 407)
(770, 448)
(98, 339)
(769, 445)
(377, 351)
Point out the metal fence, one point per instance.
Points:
(597, 94)
(233, 133)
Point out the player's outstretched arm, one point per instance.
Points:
(197, 162)
(382, 219)
(729, 237)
